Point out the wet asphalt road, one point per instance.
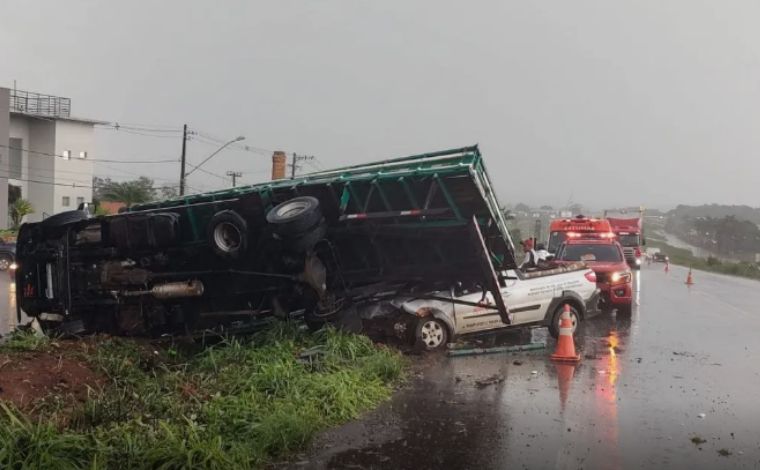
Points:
(7, 304)
(635, 400)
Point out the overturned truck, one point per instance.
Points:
(319, 245)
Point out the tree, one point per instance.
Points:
(547, 208)
(168, 192)
(19, 209)
(521, 207)
(128, 192)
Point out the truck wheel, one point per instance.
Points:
(65, 218)
(295, 216)
(554, 325)
(5, 262)
(228, 234)
(431, 334)
(306, 241)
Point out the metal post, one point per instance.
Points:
(182, 160)
(234, 175)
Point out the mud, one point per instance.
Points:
(28, 378)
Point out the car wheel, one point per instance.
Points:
(626, 309)
(5, 262)
(431, 334)
(554, 325)
(295, 216)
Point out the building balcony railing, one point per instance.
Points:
(39, 104)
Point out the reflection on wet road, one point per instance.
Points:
(8, 319)
(634, 401)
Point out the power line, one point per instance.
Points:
(104, 160)
(125, 131)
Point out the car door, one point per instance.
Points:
(528, 299)
(476, 312)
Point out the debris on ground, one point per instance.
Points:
(496, 350)
(698, 440)
(701, 415)
(517, 363)
(492, 380)
(724, 452)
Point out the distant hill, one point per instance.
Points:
(717, 211)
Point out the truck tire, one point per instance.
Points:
(295, 216)
(430, 334)
(65, 218)
(306, 241)
(554, 325)
(228, 234)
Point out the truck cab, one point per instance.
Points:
(630, 236)
(579, 226)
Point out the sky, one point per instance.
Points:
(604, 103)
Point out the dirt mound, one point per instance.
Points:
(28, 377)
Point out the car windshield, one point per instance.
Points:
(629, 239)
(555, 240)
(606, 253)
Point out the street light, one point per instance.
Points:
(195, 167)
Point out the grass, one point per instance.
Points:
(238, 404)
(684, 257)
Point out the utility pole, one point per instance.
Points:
(234, 175)
(294, 164)
(182, 164)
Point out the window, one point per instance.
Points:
(80, 201)
(67, 154)
(83, 154)
(65, 201)
(16, 159)
(604, 253)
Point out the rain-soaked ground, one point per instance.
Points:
(8, 319)
(674, 385)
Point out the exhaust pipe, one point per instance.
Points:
(171, 290)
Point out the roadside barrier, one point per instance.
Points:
(565, 351)
(689, 279)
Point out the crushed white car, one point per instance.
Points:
(533, 299)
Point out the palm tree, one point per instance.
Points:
(19, 209)
(128, 192)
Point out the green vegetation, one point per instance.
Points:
(19, 209)
(237, 404)
(684, 257)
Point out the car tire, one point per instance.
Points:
(626, 309)
(228, 234)
(295, 216)
(431, 334)
(554, 325)
(5, 262)
(65, 218)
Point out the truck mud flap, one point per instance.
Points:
(489, 274)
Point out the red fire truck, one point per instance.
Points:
(630, 235)
(579, 226)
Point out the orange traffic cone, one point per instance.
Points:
(565, 351)
(565, 374)
(667, 267)
(689, 279)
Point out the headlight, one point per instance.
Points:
(638, 260)
(13, 266)
(620, 278)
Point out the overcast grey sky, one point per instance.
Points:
(612, 102)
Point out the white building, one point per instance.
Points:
(44, 154)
